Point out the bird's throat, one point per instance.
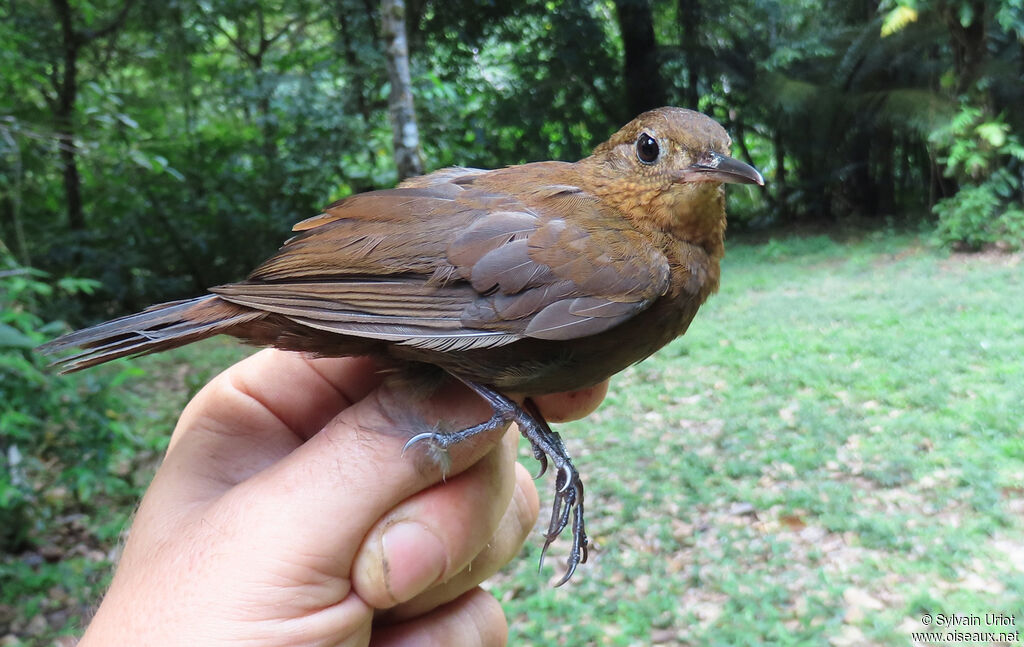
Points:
(695, 215)
(691, 212)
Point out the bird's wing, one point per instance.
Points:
(451, 265)
(572, 267)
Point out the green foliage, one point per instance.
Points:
(978, 215)
(56, 434)
(898, 18)
(202, 131)
(988, 160)
(72, 460)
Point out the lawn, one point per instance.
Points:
(833, 451)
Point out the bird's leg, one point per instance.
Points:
(568, 492)
(545, 444)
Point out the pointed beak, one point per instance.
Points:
(715, 167)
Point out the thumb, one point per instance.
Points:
(323, 497)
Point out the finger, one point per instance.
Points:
(440, 532)
(434, 533)
(474, 620)
(504, 545)
(571, 405)
(323, 497)
(259, 410)
(302, 393)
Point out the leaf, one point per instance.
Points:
(175, 173)
(966, 15)
(141, 159)
(993, 132)
(1015, 149)
(73, 285)
(897, 19)
(127, 121)
(11, 337)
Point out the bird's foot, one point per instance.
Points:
(440, 441)
(545, 444)
(568, 490)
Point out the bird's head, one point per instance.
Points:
(666, 168)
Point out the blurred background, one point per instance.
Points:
(840, 430)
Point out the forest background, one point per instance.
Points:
(149, 150)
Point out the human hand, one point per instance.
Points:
(285, 514)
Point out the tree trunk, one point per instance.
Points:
(781, 180)
(886, 179)
(355, 68)
(859, 189)
(66, 89)
(644, 88)
(690, 18)
(266, 86)
(64, 113)
(968, 42)
(400, 103)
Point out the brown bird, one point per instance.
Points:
(531, 279)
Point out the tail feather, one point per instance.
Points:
(157, 328)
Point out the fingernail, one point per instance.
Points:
(414, 558)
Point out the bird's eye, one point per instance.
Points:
(647, 149)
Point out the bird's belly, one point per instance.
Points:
(539, 366)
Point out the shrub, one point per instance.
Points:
(986, 158)
(60, 436)
(979, 215)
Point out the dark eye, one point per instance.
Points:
(647, 149)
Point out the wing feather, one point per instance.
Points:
(453, 261)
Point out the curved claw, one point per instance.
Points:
(559, 516)
(426, 435)
(543, 460)
(570, 476)
(543, 552)
(569, 570)
(580, 551)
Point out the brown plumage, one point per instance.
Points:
(530, 279)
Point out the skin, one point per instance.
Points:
(284, 513)
(533, 279)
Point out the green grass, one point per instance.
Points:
(831, 451)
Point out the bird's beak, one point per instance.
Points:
(715, 167)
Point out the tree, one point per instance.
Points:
(74, 37)
(691, 25)
(179, 141)
(400, 104)
(641, 69)
(979, 150)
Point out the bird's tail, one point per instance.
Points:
(157, 328)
